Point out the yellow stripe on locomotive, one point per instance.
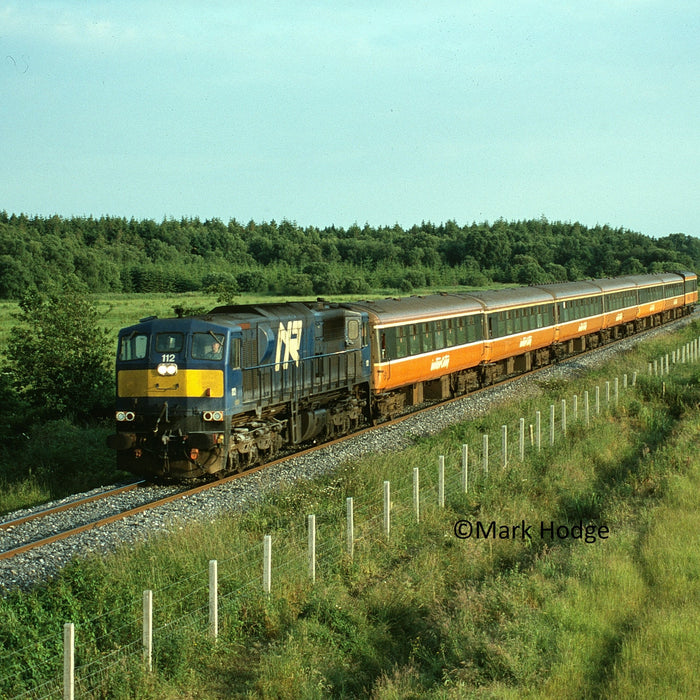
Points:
(187, 383)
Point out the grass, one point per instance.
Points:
(423, 614)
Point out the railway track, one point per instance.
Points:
(188, 492)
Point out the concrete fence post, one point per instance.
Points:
(68, 661)
(551, 424)
(214, 598)
(350, 527)
(416, 493)
(504, 446)
(311, 519)
(563, 416)
(465, 468)
(148, 629)
(387, 508)
(521, 440)
(267, 564)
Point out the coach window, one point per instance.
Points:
(449, 333)
(439, 335)
(518, 321)
(533, 318)
(428, 341)
(133, 347)
(413, 340)
(401, 342)
(461, 331)
(509, 322)
(392, 343)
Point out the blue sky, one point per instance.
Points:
(339, 112)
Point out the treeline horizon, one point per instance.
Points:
(120, 255)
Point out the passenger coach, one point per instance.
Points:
(447, 344)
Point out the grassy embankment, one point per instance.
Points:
(424, 614)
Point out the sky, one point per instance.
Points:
(334, 113)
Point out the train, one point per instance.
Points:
(206, 396)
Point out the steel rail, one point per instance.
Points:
(68, 506)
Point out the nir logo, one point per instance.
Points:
(288, 343)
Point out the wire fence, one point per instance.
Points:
(80, 659)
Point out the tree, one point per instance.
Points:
(59, 358)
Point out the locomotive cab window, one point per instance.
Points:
(169, 342)
(208, 346)
(133, 347)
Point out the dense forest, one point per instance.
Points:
(112, 254)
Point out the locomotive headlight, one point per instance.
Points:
(168, 369)
(123, 416)
(213, 415)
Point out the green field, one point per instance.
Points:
(420, 614)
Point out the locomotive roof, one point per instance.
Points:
(257, 312)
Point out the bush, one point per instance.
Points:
(59, 359)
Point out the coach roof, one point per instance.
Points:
(495, 299)
(417, 308)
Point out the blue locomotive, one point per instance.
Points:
(220, 392)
